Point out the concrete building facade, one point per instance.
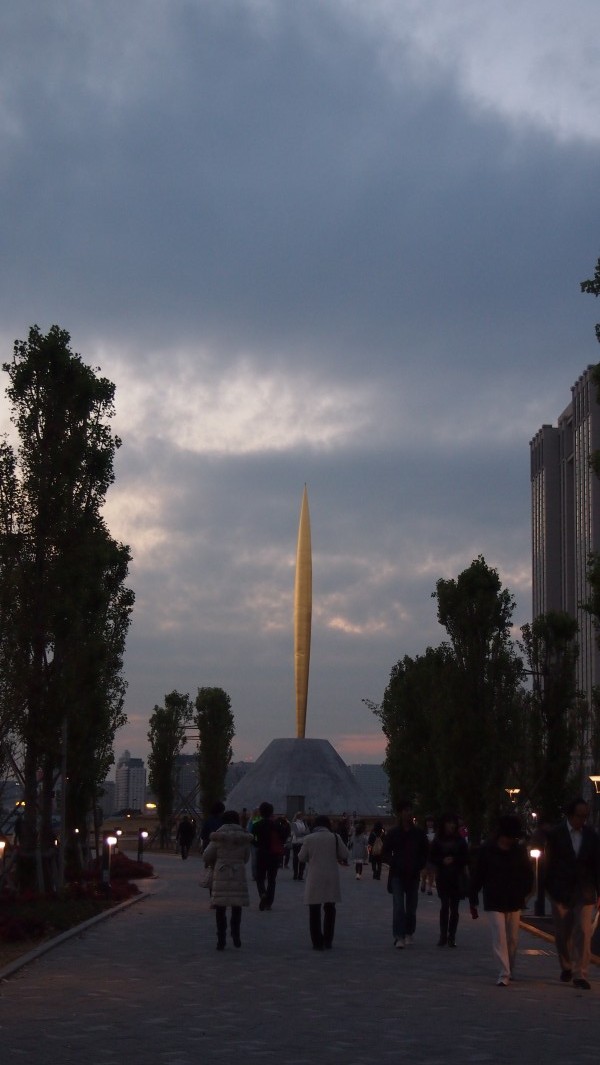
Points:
(565, 512)
(130, 781)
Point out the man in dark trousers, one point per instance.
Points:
(405, 851)
(269, 838)
(573, 882)
(186, 831)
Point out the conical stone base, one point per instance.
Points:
(301, 774)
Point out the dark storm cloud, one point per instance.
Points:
(305, 249)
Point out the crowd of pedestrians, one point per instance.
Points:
(417, 859)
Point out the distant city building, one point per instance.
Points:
(130, 781)
(186, 776)
(374, 782)
(11, 792)
(107, 800)
(565, 513)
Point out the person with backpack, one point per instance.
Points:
(376, 849)
(269, 840)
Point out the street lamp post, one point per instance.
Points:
(595, 779)
(142, 835)
(108, 843)
(536, 854)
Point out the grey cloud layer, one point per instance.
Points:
(280, 199)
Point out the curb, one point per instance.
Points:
(595, 959)
(76, 930)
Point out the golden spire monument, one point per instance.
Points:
(302, 615)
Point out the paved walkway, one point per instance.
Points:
(148, 987)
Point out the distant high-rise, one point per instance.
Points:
(565, 511)
(130, 779)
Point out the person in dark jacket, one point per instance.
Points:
(212, 822)
(504, 870)
(573, 883)
(449, 855)
(376, 849)
(405, 852)
(186, 830)
(269, 838)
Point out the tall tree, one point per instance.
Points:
(214, 721)
(476, 612)
(550, 646)
(167, 738)
(60, 666)
(415, 715)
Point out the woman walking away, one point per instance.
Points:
(360, 848)
(428, 872)
(376, 849)
(449, 855)
(298, 830)
(322, 851)
(228, 852)
(504, 871)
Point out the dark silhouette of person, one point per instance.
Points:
(186, 830)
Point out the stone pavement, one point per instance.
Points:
(147, 987)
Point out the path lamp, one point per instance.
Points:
(536, 854)
(512, 793)
(108, 842)
(3, 851)
(142, 835)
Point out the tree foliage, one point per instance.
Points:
(553, 710)
(449, 714)
(214, 721)
(476, 612)
(64, 608)
(167, 738)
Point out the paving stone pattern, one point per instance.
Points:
(147, 987)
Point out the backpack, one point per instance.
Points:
(377, 847)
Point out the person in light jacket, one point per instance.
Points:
(322, 851)
(227, 852)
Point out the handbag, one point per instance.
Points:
(206, 879)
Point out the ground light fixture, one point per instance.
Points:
(142, 837)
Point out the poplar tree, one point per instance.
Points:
(214, 720)
(64, 608)
(167, 738)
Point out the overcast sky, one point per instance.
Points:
(326, 241)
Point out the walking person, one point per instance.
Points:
(504, 871)
(269, 840)
(227, 852)
(428, 873)
(322, 852)
(186, 830)
(573, 883)
(376, 849)
(405, 852)
(448, 854)
(298, 831)
(212, 822)
(360, 848)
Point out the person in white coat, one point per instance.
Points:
(322, 851)
(228, 853)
